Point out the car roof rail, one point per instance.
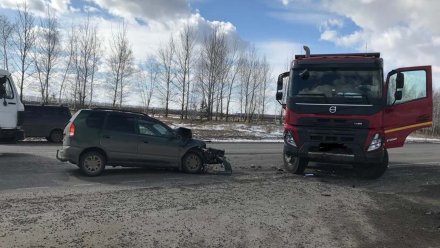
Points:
(119, 110)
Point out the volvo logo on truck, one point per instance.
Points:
(376, 118)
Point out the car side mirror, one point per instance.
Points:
(400, 80)
(398, 95)
(279, 96)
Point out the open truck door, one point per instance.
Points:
(409, 103)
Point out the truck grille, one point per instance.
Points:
(333, 123)
(332, 138)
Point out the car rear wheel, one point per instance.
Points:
(375, 170)
(192, 162)
(294, 164)
(56, 136)
(92, 163)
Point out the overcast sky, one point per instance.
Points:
(406, 32)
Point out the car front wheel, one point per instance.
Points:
(92, 163)
(192, 162)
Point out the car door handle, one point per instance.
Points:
(13, 103)
(106, 137)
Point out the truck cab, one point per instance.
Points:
(11, 110)
(338, 108)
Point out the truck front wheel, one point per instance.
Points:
(293, 164)
(375, 170)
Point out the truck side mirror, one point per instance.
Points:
(280, 81)
(398, 95)
(400, 80)
(279, 96)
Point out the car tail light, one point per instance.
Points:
(72, 130)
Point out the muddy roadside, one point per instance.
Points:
(255, 208)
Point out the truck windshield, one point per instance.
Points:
(340, 85)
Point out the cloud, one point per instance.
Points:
(285, 2)
(146, 10)
(38, 7)
(304, 12)
(405, 32)
(147, 39)
(149, 26)
(279, 53)
(331, 23)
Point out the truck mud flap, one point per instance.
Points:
(216, 156)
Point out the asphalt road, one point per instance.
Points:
(33, 165)
(44, 202)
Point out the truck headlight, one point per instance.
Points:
(376, 143)
(288, 138)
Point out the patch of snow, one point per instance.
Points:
(411, 139)
(35, 139)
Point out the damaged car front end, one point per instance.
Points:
(210, 156)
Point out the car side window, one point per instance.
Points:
(145, 128)
(95, 120)
(163, 131)
(120, 123)
(153, 128)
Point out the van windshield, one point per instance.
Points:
(337, 85)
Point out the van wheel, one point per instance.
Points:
(293, 164)
(375, 170)
(192, 162)
(56, 136)
(92, 163)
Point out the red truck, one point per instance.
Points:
(339, 109)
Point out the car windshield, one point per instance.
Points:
(336, 85)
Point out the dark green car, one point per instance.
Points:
(96, 138)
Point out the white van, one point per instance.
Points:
(11, 110)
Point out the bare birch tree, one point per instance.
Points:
(85, 62)
(6, 31)
(184, 55)
(233, 69)
(249, 82)
(265, 77)
(48, 51)
(147, 84)
(70, 48)
(211, 67)
(166, 60)
(24, 42)
(121, 63)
